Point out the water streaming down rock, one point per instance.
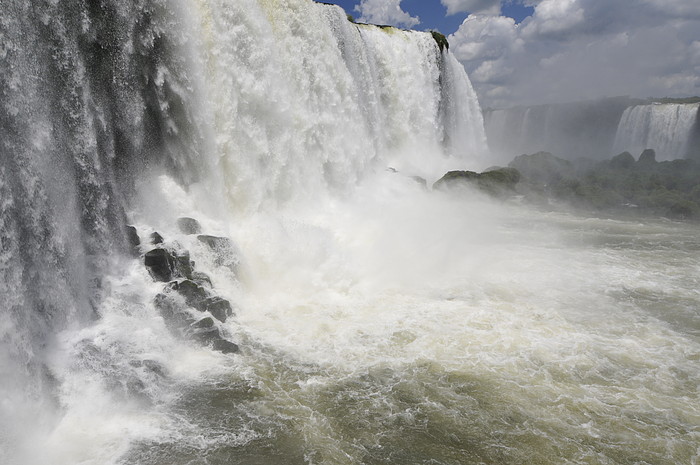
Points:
(248, 103)
(666, 128)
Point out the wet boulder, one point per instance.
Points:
(224, 250)
(166, 265)
(219, 308)
(192, 292)
(183, 264)
(156, 238)
(225, 346)
(455, 178)
(134, 240)
(497, 182)
(207, 333)
(161, 264)
(202, 279)
(647, 159)
(623, 161)
(189, 225)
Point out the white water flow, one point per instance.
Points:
(666, 128)
(379, 322)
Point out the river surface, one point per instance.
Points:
(421, 328)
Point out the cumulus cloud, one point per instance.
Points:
(578, 49)
(492, 7)
(385, 12)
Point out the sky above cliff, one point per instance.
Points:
(543, 51)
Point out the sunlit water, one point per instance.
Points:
(406, 326)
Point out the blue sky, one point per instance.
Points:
(433, 14)
(526, 52)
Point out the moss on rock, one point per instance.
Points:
(441, 40)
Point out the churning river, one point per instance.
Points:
(411, 327)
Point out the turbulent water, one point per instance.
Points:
(379, 322)
(666, 128)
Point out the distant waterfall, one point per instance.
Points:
(570, 130)
(666, 128)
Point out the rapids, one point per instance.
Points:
(379, 321)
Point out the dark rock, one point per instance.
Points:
(205, 323)
(201, 278)
(225, 251)
(193, 293)
(134, 240)
(507, 177)
(452, 178)
(161, 264)
(441, 40)
(218, 307)
(497, 182)
(189, 225)
(647, 158)
(206, 335)
(156, 238)
(625, 160)
(215, 242)
(182, 321)
(184, 266)
(224, 346)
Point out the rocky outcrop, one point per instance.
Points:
(647, 159)
(188, 303)
(189, 225)
(156, 238)
(225, 251)
(620, 185)
(623, 161)
(497, 182)
(134, 240)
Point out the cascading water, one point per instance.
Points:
(568, 130)
(666, 128)
(378, 322)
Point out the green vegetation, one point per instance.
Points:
(441, 40)
(498, 182)
(622, 184)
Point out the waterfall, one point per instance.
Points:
(569, 130)
(112, 109)
(666, 128)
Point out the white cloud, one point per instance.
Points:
(385, 12)
(577, 49)
(492, 7)
(553, 17)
